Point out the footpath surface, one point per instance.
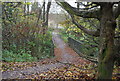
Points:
(63, 54)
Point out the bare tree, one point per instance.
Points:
(45, 14)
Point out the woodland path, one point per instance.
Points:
(63, 53)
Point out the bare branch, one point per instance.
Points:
(94, 13)
(88, 6)
(117, 37)
(19, 3)
(95, 33)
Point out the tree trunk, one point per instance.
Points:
(47, 13)
(44, 11)
(117, 43)
(107, 33)
(45, 23)
(24, 9)
(39, 15)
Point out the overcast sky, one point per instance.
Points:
(71, 2)
(54, 7)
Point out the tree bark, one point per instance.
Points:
(43, 11)
(45, 23)
(39, 15)
(117, 43)
(106, 49)
(47, 13)
(28, 9)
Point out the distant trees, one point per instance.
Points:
(107, 14)
(35, 7)
(20, 35)
(43, 15)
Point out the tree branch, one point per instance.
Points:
(117, 37)
(94, 13)
(19, 3)
(117, 11)
(88, 6)
(95, 33)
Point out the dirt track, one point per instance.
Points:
(63, 53)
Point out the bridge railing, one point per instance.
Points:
(79, 47)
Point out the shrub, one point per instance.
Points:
(10, 56)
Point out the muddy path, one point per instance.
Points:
(64, 53)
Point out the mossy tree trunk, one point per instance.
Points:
(106, 49)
